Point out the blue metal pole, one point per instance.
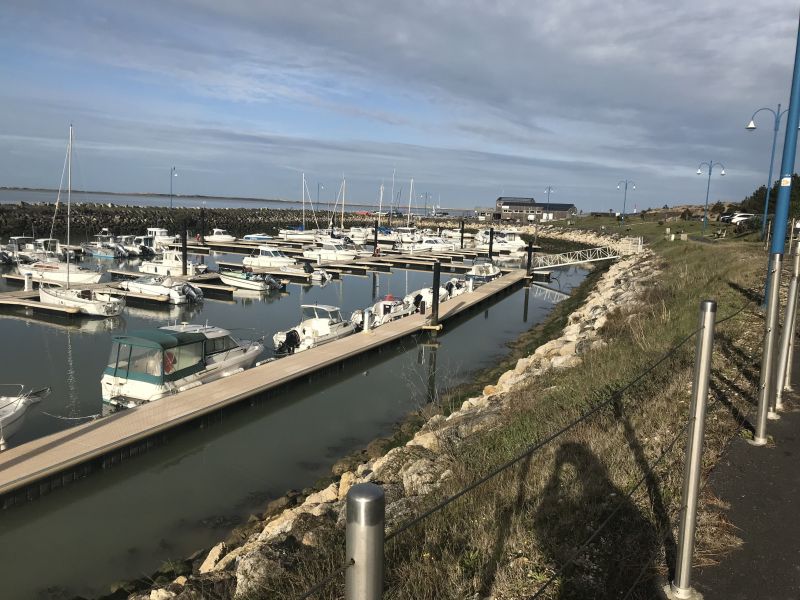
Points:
(769, 178)
(767, 383)
(708, 188)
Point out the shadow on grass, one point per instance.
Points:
(748, 294)
(578, 497)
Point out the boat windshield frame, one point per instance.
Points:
(164, 357)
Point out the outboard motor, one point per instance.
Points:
(417, 301)
(120, 251)
(272, 283)
(5, 258)
(307, 268)
(192, 292)
(290, 343)
(449, 287)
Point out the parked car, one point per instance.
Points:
(740, 217)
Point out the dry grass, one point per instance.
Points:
(525, 526)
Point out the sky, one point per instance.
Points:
(472, 99)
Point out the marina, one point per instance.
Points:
(328, 390)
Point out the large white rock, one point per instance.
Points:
(213, 557)
(161, 594)
(329, 494)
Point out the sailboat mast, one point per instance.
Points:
(344, 194)
(391, 200)
(69, 194)
(380, 205)
(303, 196)
(410, 194)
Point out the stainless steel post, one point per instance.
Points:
(787, 381)
(681, 586)
(786, 335)
(364, 542)
(760, 437)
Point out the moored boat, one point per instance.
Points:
(248, 280)
(14, 403)
(171, 264)
(383, 311)
(268, 256)
(178, 292)
(88, 301)
(483, 271)
(319, 325)
(220, 235)
(150, 364)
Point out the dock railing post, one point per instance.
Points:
(681, 586)
(765, 379)
(28, 281)
(781, 368)
(530, 258)
(491, 241)
(366, 506)
(462, 234)
(437, 279)
(184, 250)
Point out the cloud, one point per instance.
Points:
(470, 96)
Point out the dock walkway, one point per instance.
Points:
(31, 463)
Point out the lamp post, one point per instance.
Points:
(548, 190)
(710, 165)
(172, 173)
(623, 184)
(751, 126)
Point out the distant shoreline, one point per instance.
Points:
(175, 196)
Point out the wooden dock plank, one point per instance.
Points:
(35, 460)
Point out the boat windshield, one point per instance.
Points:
(153, 365)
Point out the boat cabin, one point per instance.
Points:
(166, 354)
(20, 243)
(322, 311)
(217, 231)
(144, 240)
(269, 251)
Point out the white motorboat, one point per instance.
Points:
(437, 244)
(161, 238)
(87, 301)
(248, 280)
(504, 239)
(317, 275)
(135, 246)
(412, 247)
(21, 248)
(483, 271)
(171, 264)
(150, 364)
(105, 246)
(257, 237)
(319, 325)
(267, 257)
(330, 252)
(383, 311)
(425, 295)
(179, 292)
(456, 287)
(14, 403)
(407, 234)
(298, 234)
(220, 235)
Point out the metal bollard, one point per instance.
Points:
(760, 437)
(366, 506)
(491, 241)
(530, 258)
(28, 282)
(681, 586)
(787, 382)
(786, 336)
(366, 316)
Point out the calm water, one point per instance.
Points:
(189, 493)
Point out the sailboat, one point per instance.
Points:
(86, 300)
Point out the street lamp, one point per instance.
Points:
(548, 190)
(172, 173)
(751, 126)
(624, 183)
(710, 165)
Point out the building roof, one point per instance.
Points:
(515, 200)
(560, 207)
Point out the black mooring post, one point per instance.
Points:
(432, 373)
(375, 250)
(437, 275)
(491, 241)
(525, 308)
(184, 249)
(462, 234)
(203, 225)
(530, 257)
